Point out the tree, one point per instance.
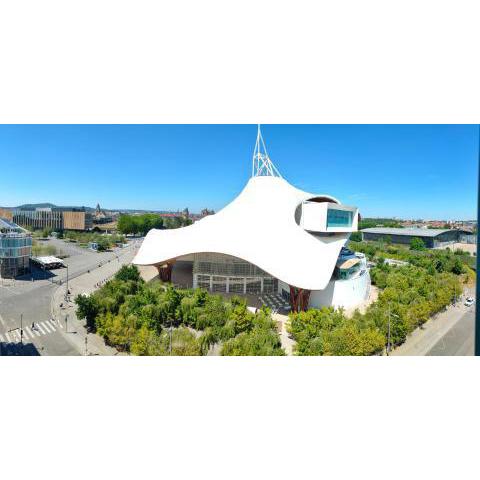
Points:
(128, 272)
(125, 224)
(259, 341)
(46, 232)
(87, 309)
(417, 244)
(356, 237)
(103, 244)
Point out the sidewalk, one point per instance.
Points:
(422, 340)
(287, 341)
(86, 284)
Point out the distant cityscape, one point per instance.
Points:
(108, 217)
(48, 215)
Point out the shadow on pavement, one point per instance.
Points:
(24, 350)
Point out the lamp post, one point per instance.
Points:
(66, 291)
(389, 346)
(21, 328)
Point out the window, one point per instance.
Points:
(339, 218)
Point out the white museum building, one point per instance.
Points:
(273, 239)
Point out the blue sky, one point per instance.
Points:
(407, 171)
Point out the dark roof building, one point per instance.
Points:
(431, 237)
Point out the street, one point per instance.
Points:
(459, 340)
(33, 302)
(450, 332)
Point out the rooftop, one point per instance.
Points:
(8, 225)
(411, 232)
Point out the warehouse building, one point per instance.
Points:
(432, 238)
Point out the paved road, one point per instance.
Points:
(33, 300)
(459, 340)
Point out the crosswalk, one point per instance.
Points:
(41, 328)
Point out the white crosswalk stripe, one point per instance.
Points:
(33, 332)
(52, 324)
(46, 327)
(39, 326)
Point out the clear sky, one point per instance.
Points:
(407, 171)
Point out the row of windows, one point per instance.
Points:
(15, 242)
(251, 285)
(15, 246)
(15, 252)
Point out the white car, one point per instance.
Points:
(469, 301)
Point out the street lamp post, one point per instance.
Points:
(21, 328)
(66, 291)
(389, 346)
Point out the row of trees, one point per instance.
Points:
(141, 224)
(375, 222)
(434, 260)
(156, 319)
(410, 296)
(104, 241)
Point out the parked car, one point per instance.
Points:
(469, 301)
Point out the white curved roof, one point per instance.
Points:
(258, 226)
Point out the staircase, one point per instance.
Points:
(275, 301)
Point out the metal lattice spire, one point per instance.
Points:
(261, 164)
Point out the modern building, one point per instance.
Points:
(15, 250)
(56, 218)
(6, 213)
(432, 238)
(272, 239)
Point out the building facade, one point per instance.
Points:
(432, 238)
(53, 218)
(6, 213)
(15, 250)
(273, 239)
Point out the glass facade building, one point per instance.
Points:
(15, 250)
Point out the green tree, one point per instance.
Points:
(417, 244)
(356, 237)
(87, 309)
(128, 272)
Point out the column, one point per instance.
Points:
(299, 298)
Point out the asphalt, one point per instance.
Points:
(23, 302)
(459, 340)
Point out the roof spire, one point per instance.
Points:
(261, 164)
